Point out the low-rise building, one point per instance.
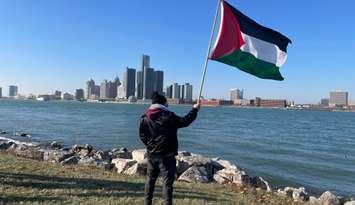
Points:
(276, 103)
(216, 102)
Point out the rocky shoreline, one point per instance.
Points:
(191, 168)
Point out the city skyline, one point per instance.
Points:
(41, 55)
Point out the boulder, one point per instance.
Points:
(26, 151)
(139, 155)
(259, 182)
(55, 145)
(219, 164)
(56, 155)
(184, 153)
(139, 168)
(313, 200)
(71, 160)
(232, 176)
(195, 174)
(121, 153)
(3, 132)
(328, 198)
(123, 164)
(197, 161)
(91, 161)
(297, 195)
(103, 155)
(350, 203)
(4, 145)
(82, 151)
(181, 167)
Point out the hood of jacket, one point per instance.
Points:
(155, 110)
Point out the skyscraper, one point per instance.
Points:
(105, 90)
(182, 91)
(79, 94)
(338, 99)
(13, 91)
(129, 81)
(236, 94)
(148, 88)
(158, 81)
(176, 91)
(0, 92)
(90, 89)
(169, 91)
(188, 93)
(139, 85)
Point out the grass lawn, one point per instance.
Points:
(24, 181)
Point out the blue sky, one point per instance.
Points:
(59, 44)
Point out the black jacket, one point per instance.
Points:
(158, 131)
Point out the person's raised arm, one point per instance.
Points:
(187, 119)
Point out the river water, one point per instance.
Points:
(315, 149)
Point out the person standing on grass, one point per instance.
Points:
(158, 131)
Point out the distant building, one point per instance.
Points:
(324, 102)
(67, 96)
(275, 103)
(58, 95)
(236, 94)
(242, 102)
(0, 92)
(158, 81)
(47, 97)
(338, 99)
(188, 93)
(139, 85)
(149, 77)
(79, 94)
(169, 91)
(129, 81)
(182, 91)
(92, 90)
(105, 89)
(216, 102)
(176, 91)
(13, 91)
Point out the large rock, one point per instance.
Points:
(103, 155)
(56, 155)
(298, 195)
(121, 153)
(184, 162)
(4, 145)
(195, 174)
(350, 203)
(328, 198)
(220, 164)
(314, 201)
(55, 145)
(139, 155)
(139, 168)
(231, 176)
(181, 166)
(123, 164)
(259, 182)
(71, 160)
(26, 151)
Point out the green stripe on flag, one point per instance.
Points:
(250, 64)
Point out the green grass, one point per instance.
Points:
(24, 181)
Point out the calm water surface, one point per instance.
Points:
(300, 148)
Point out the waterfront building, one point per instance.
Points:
(236, 94)
(182, 91)
(139, 85)
(215, 102)
(13, 91)
(0, 92)
(129, 81)
(169, 91)
(176, 91)
(158, 81)
(148, 89)
(324, 102)
(274, 103)
(92, 90)
(79, 94)
(67, 96)
(338, 99)
(58, 95)
(188, 93)
(104, 89)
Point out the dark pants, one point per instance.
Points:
(167, 168)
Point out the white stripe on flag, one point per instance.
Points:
(264, 50)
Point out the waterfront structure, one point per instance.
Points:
(169, 91)
(274, 103)
(79, 94)
(176, 91)
(104, 89)
(149, 77)
(242, 102)
(0, 92)
(158, 81)
(324, 102)
(139, 85)
(129, 81)
(58, 95)
(13, 91)
(215, 102)
(236, 94)
(92, 90)
(67, 96)
(188, 93)
(47, 97)
(182, 91)
(338, 99)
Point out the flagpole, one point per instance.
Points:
(209, 50)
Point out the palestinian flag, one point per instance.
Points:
(249, 46)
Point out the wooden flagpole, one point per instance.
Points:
(209, 50)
